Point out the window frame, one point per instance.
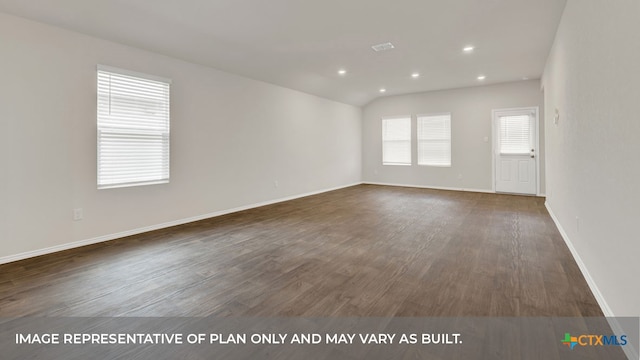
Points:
(116, 132)
(419, 140)
(409, 139)
(530, 130)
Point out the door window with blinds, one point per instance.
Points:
(515, 134)
(434, 140)
(133, 128)
(396, 141)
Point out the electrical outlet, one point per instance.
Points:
(577, 224)
(276, 183)
(77, 214)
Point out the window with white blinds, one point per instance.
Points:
(133, 128)
(515, 134)
(434, 140)
(396, 141)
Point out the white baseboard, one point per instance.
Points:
(630, 351)
(99, 239)
(488, 191)
(583, 267)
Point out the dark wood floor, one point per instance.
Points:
(361, 251)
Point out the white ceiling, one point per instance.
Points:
(301, 44)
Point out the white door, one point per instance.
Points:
(515, 141)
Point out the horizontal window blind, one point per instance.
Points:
(133, 129)
(434, 140)
(396, 141)
(515, 134)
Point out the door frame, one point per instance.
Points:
(494, 113)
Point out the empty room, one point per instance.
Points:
(319, 179)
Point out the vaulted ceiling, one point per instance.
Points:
(301, 44)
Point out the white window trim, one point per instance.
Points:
(450, 139)
(133, 73)
(392, 117)
(119, 71)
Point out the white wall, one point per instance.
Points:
(471, 156)
(231, 138)
(592, 78)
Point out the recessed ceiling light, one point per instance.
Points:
(383, 47)
(468, 49)
(481, 77)
(342, 71)
(415, 75)
(383, 90)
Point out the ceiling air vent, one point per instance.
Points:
(383, 47)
